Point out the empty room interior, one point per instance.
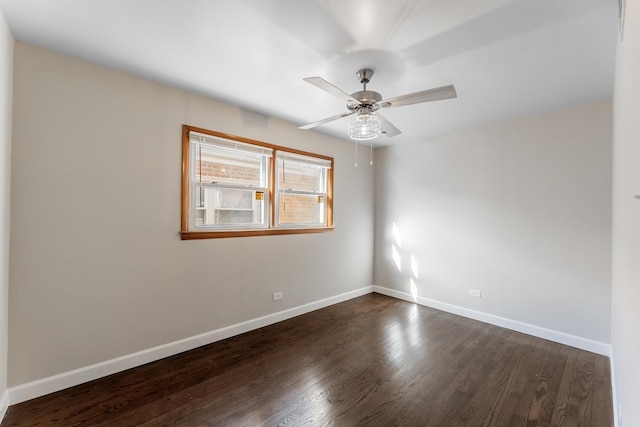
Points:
(344, 212)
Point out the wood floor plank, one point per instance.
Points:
(373, 361)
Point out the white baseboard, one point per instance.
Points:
(4, 404)
(64, 380)
(515, 325)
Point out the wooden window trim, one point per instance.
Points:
(186, 234)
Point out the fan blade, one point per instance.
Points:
(327, 120)
(444, 92)
(328, 87)
(387, 127)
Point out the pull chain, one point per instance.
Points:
(371, 155)
(356, 154)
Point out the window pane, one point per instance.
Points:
(297, 176)
(226, 207)
(217, 166)
(301, 209)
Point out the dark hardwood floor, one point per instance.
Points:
(370, 361)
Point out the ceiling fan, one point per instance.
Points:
(368, 123)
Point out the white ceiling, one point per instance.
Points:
(506, 58)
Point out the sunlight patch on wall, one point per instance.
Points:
(395, 255)
(396, 235)
(414, 267)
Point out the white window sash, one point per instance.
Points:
(230, 145)
(302, 160)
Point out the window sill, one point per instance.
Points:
(195, 235)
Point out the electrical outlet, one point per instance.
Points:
(475, 293)
(277, 296)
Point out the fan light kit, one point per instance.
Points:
(367, 123)
(364, 126)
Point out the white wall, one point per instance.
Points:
(98, 269)
(626, 220)
(520, 210)
(6, 71)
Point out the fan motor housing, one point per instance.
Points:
(367, 98)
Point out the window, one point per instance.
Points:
(234, 186)
(302, 190)
(229, 183)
